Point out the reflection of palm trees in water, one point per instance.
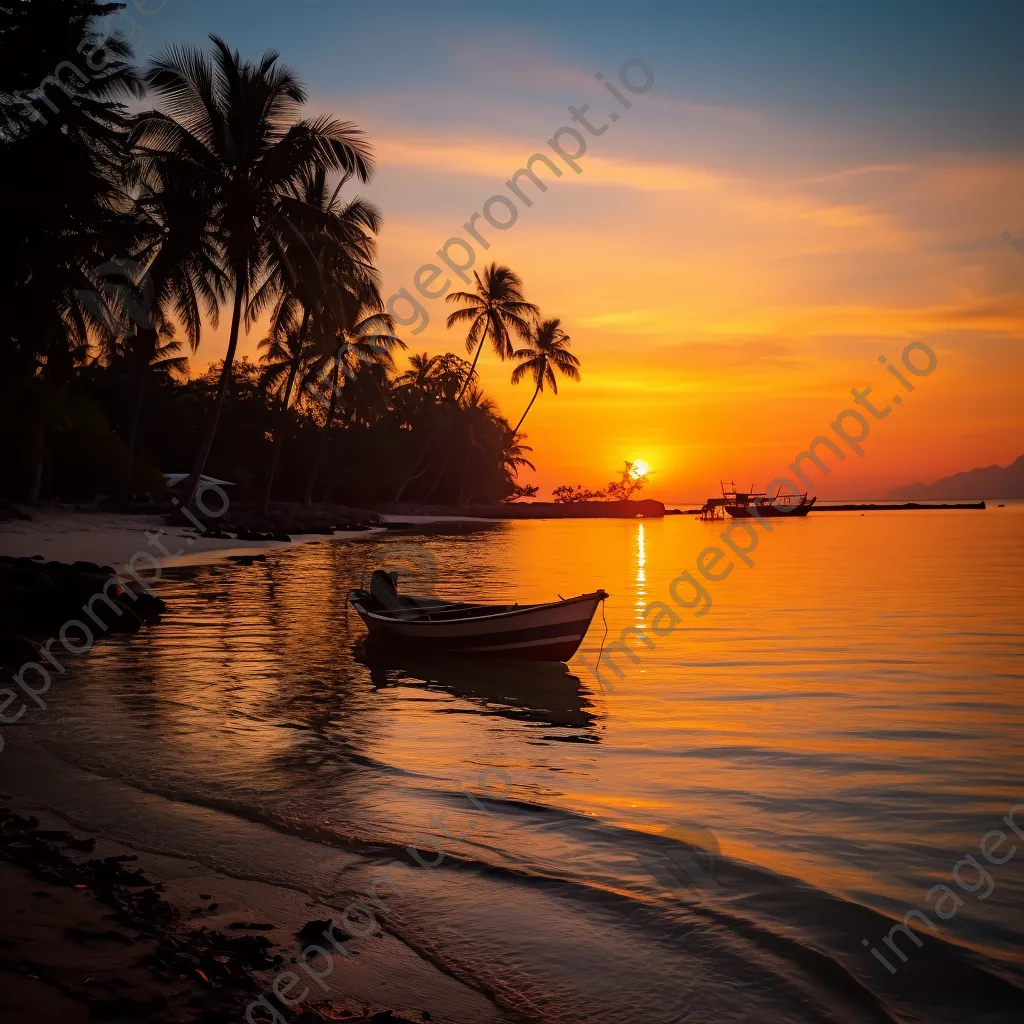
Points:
(243, 682)
(318, 686)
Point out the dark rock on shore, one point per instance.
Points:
(16, 649)
(38, 598)
(243, 533)
(22, 842)
(313, 930)
(282, 521)
(11, 511)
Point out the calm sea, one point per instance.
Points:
(723, 832)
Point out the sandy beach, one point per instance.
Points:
(112, 539)
(71, 950)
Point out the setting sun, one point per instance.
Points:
(639, 469)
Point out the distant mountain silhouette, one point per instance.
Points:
(987, 482)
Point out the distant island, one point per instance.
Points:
(984, 482)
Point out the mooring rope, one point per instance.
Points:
(600, 653)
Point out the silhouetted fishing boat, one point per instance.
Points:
(537, 632)
(748, 504)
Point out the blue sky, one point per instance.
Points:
(934, 70)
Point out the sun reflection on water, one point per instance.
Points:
(641, 573)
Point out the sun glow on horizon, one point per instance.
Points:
(639, 469)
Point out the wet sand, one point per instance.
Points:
(69, 950)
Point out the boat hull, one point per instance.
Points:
(549, 632)
(766, 510)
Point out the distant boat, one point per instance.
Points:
(748, 504)
(536, 632)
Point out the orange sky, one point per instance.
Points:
(726, 274)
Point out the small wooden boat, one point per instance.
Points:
(536, 632)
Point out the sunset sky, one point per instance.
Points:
(804, 188)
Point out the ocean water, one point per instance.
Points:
(718, 823)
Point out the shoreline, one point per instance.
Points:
(56, 568)
(634, 508)
(85, 936)
(113, 538)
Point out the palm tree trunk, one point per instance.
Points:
(324, 437)
(472, 369)
(440, 475)
(421, 466)
(133, 430)
(279, 436)
(39, 460)
(283, 419)
(199, 465)
(515, 429)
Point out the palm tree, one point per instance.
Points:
(143, 354)
(476, 399)
(451, 376)
(232, 127)
(368, 341)
(321, 269)
(513, 453)
(62, 204)
(140, 305)
(547, 351)
(287, 357)
(421, 374)
(179, 251)
(496, 307)
(366, 395)
(463, 429)
(325, 254)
